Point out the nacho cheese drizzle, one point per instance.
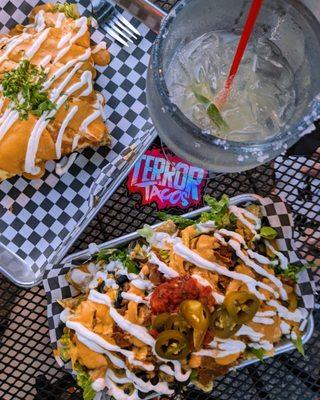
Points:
(64, 45)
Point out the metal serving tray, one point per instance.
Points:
(283, 347)
(40, 219)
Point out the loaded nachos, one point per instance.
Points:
(185, 303)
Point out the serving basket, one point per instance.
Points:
(40, 219)
(57, 288)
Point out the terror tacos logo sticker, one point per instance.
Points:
(166, 180)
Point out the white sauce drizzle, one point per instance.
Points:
(176, 371)
(282, 258)
(285, 313)
(219, 298)
(42, 123)
(260, 258)
(98, 47)
(45, 61)
(205, 227)
(268, 313)
(244, 216)
(234, 235)
(168, 272)
(194, 258)
(87, 121)
(61, 17)
(12, 44)
(260, 270)
(75, 142)
(142, 284)
(263, 320)
(62, 169)
(79, 277)
(246, 330)
(37, 44)
(137, 331)
(62, 129)
(7, 120)
(40, 21)
(222, 348)
(133, 297)
(285, 328)
(264, 344)
(98, 385)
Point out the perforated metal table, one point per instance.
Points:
(27, 368)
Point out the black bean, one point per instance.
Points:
(122, 279)
(143, 376)
(154, 380)
(118, 302)
(142, 395)
(127, 391)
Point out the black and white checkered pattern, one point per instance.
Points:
(38, 218)
(279, 216)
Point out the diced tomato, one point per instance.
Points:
(154, 333)
(208, 338)
(168, 296)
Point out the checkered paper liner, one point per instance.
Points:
(40, 219)
(279, 216)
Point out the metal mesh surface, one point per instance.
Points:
(27, 368)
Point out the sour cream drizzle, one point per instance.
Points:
(12, 44)
(37, 44)
(282, 258)
(142, 284)
(137, 331)
(283, 312)
(222, 348)
(260, 270)
(168, 272)
(133, 297)
(244, 216)
(194, 258)
(62, 129)
(219, 298)
(62, 169)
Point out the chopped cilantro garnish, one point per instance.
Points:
(24, 87)
(299, 345)
(182, 222)
(70, 10)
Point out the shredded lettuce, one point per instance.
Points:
(146, 232)
(268, 233)
(299, 346)
(219, 212)
(258, 353)
(85, 382)
(291, 272)
(123, 256)
(65, 342)
(182, 222)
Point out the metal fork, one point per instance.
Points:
(113, 22)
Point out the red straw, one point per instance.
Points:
(242, 45)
